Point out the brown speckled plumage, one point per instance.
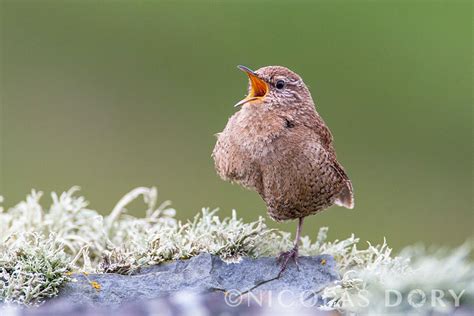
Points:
(279, 146)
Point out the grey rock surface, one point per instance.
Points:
(179, 304)
(203, 285)
(202, 274)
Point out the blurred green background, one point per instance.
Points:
(111, 95)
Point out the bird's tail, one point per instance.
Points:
(346, 196)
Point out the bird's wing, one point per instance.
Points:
(318, 126)
(311, 120)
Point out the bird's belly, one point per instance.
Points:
(295, 182)
(235, 161)
(243, 150)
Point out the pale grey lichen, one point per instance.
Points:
(370, 276)
(119, 242)
(38, 248)
(32, 269)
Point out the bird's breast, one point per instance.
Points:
(258, 129)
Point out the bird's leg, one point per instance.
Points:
(285, 257)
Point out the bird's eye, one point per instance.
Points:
(280, 84)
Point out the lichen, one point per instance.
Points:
(32, 270)
(40, 247)
(369, 276)
(86, 241)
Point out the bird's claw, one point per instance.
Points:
(284, 258)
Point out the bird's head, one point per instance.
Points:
(275, 86)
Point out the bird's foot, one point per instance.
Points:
(285, 257)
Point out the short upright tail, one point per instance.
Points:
(346, 196)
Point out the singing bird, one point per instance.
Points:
(278, 145)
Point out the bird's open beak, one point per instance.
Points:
(258, 90)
